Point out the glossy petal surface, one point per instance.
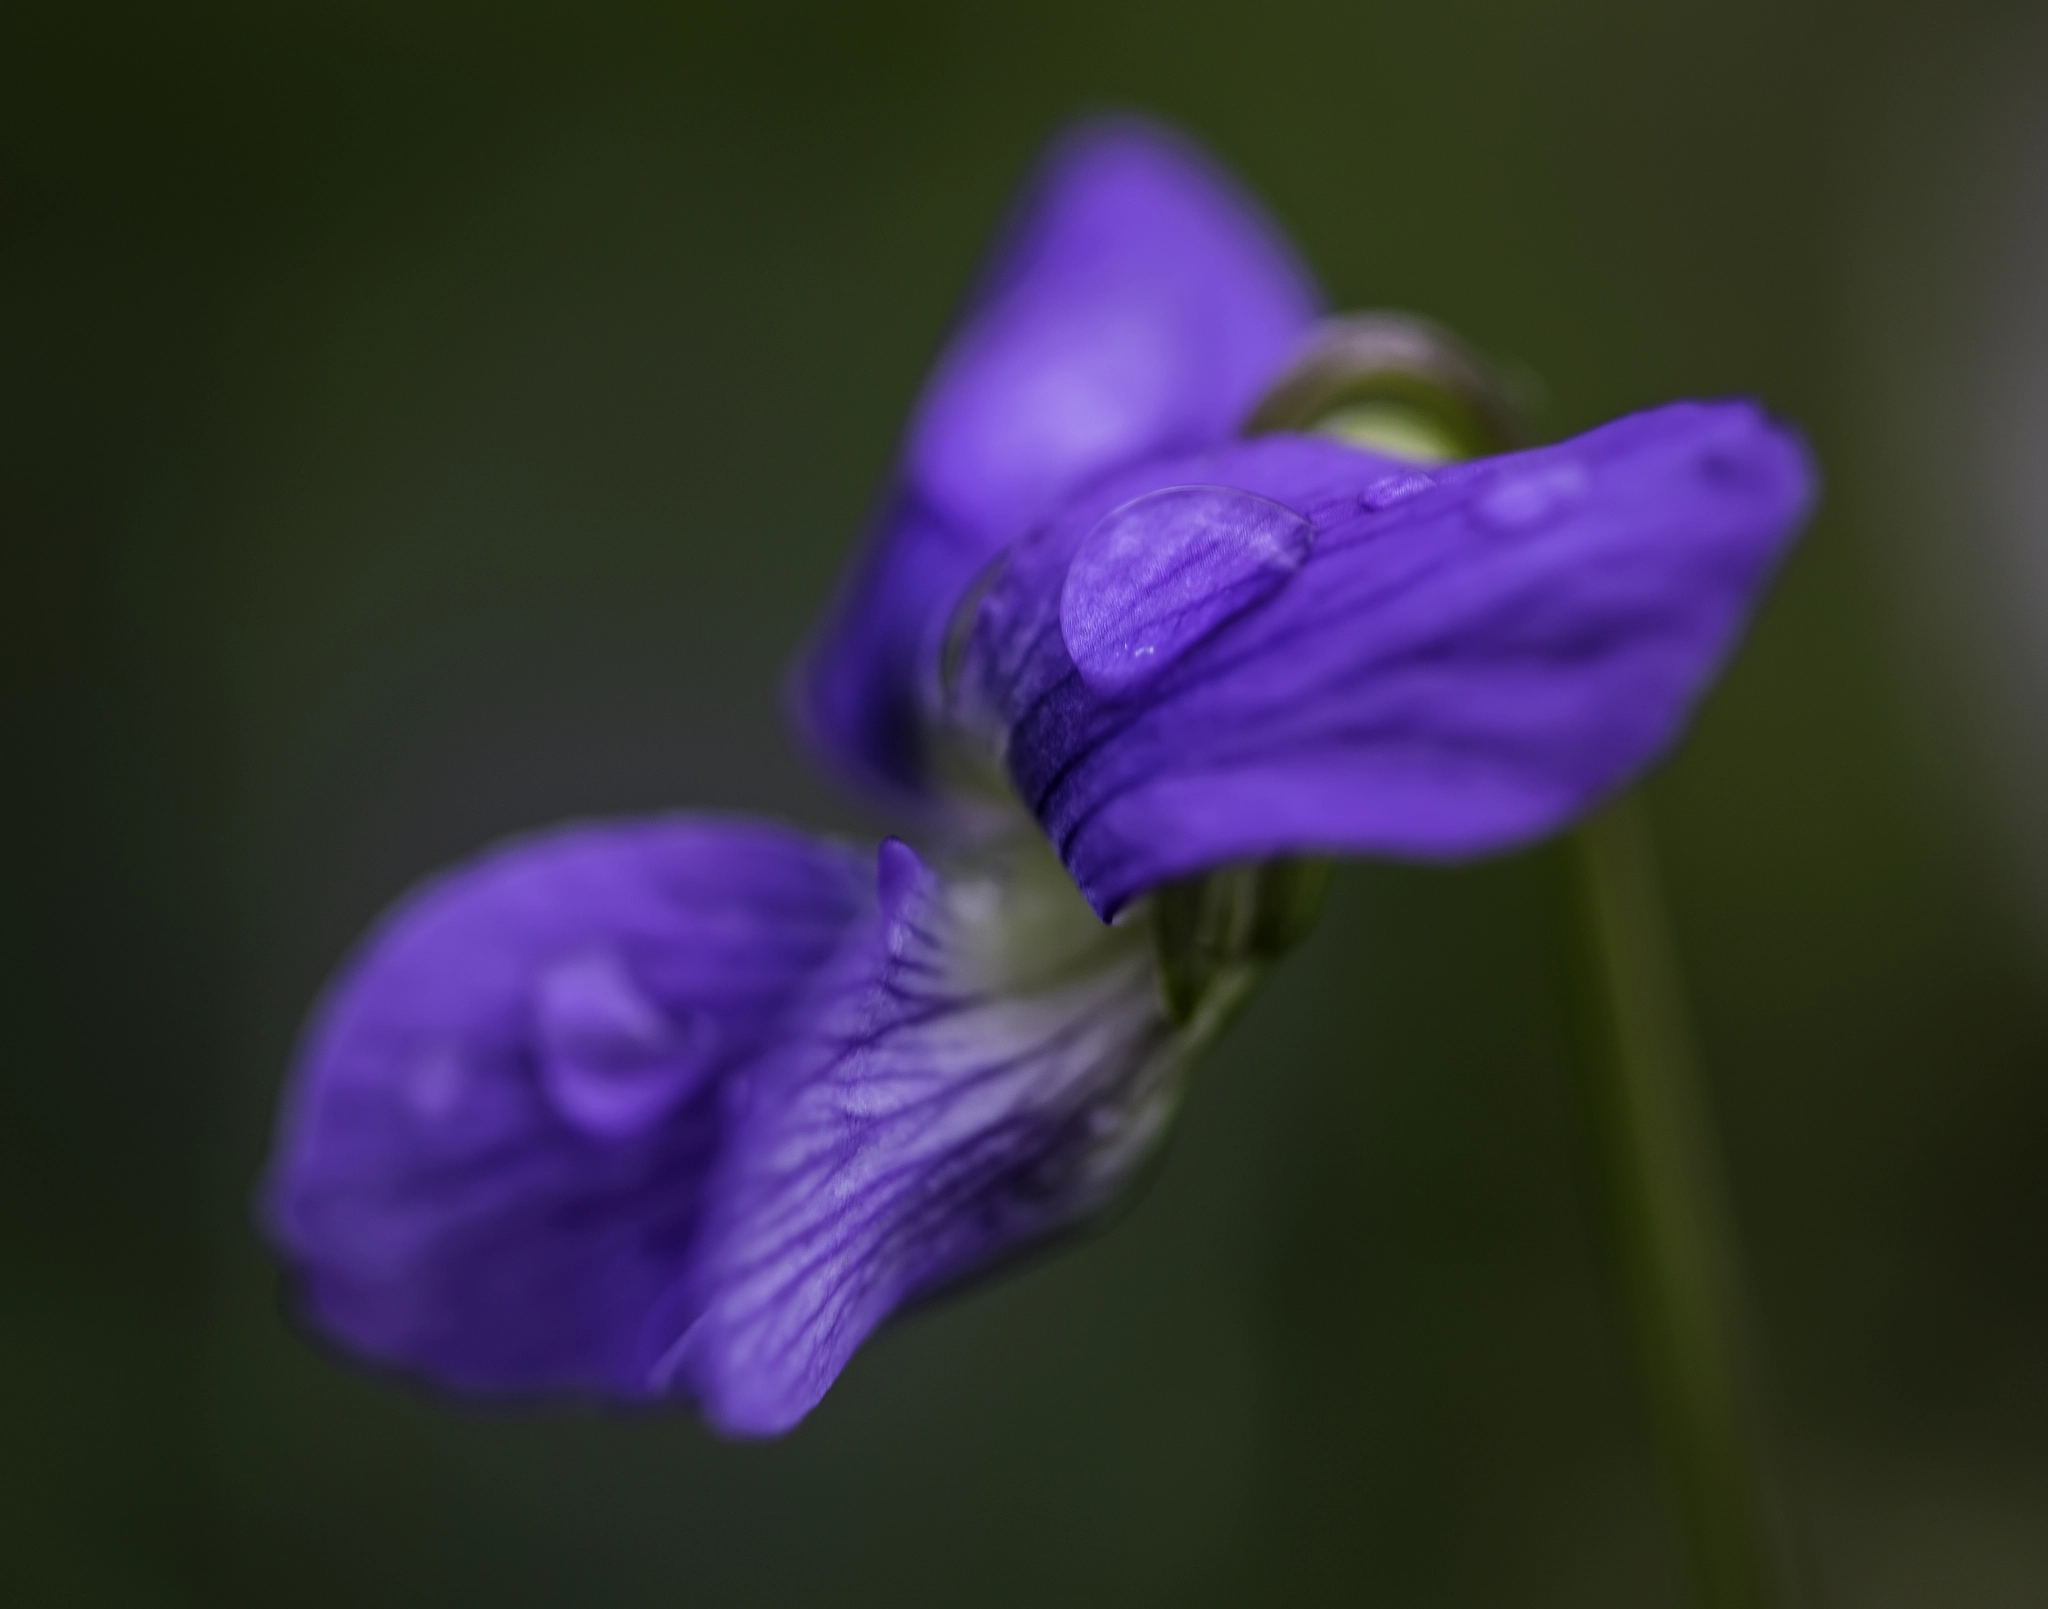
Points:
(1456, 667)
(990, 1072)
(1137, 304)
(496, 1144)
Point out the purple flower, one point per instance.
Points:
(687, 1107)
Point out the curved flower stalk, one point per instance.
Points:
(688, 1107)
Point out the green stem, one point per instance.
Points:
(1684, 1283)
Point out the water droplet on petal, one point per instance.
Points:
(1522, 499)
(613, 1062)
(1396, 488)
(1165, 570)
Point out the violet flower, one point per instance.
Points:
(687, 1107)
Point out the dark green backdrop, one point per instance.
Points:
(420, 422)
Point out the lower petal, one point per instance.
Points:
(990, 1071)
(492, 1159)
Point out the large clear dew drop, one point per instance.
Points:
(1167, 569)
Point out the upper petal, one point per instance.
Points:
(989, 1071)
(1463, 661)
(493, 1155)
(1138, 303)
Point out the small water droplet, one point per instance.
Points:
(1524, 498)
(612, 1061)
(1395, 488)
(1165, 570)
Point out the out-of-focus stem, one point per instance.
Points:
(1403, 387)
(1682, 1270)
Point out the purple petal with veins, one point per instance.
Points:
(492, 1165)
(1454, 672)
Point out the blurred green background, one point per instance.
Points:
(423, 422)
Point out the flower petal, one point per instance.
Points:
(993, 1069)
(1462, 662)
(1138, 304)
(493, 1156)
